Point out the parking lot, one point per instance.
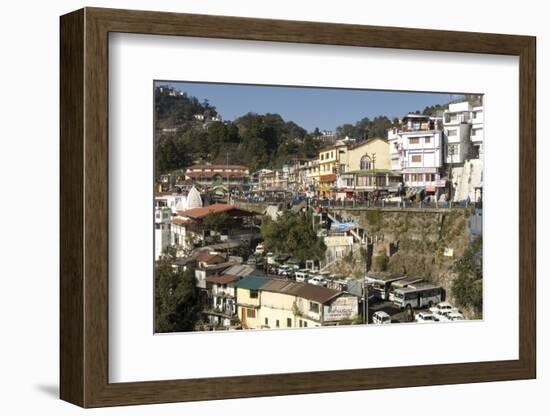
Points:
(397, 314)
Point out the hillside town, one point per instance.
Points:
(312, 242)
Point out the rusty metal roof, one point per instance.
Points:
(303, 290)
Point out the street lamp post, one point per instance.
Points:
(451, 152)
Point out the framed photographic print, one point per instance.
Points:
(255, 207)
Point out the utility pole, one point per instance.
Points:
(227, 173)
(373, 160)
(451, 152)
(365, 302)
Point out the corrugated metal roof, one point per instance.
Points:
(303, 290)
(240, 270)
(223, 279)
(251, 282)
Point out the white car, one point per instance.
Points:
(442, 307)
(283, 271)
(301, 276)
(424, 317)
(381, 318)
(315, 280)
(455, 316)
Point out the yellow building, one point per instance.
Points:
(278, 303)
(372, 154)
(248, 301)
(367, 170)
(330, 164)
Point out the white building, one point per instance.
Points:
(463, 126)
(416, 152)
(176, 202)
(163, 217)
(456, 126)
(179, 201)
(477, 133)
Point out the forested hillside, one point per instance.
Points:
(254, 140)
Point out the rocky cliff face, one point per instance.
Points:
(419, 243)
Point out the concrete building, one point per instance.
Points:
(278, 303)
(215, 175)
(457, 127)
(179, 201)
(163, 217)
(477, 133)
(188, 227)
(464, 134)
(330, 164)
(366, 168)
(221, 302)
(416, 152)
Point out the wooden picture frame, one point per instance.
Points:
(84, 207)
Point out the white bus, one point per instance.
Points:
(416, 297)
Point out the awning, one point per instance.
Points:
(328, 178)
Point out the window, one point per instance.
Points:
(366, 162)
(414, 140)
(416, 158)
(251, 313)
(253, 294)
(266, 321)
(288, 322)
(277, 323)
(314, 307)
(305, 324)
(322, 156)
(331, 154)
(451, 133)
(301, 323)
(427, 140)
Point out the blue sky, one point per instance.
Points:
(325, 108)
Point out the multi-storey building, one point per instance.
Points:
(273, 180)
(457, 127)
(275, 303)
(416, 152)
(163, 216)
(477, 133)
(365, 168)
(329, 166)
(463, 126)
(312, 176)
(214, 175)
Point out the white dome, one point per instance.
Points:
(194, 199)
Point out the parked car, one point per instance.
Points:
(381, 318)
(456, 316)
(259, 249)
(442, 307)
(251, 261)
(301, 275)
(424, 317)
(283, 270)
(315, 280)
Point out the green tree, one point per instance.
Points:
(177, 305)
(293, 233)
(218, 221)
(467, 287)
(348, 130)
